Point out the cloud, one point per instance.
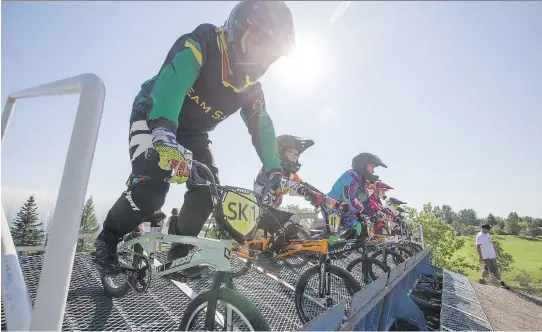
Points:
(339, 11)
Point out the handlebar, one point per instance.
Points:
(199, 180)
(326, 202)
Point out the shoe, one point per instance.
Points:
(180, 251)
(482, 281)
(105, 255)
(503, 285)
(266, 261)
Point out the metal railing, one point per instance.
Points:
(55, 277)
(378, 305)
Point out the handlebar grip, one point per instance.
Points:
(197, 179)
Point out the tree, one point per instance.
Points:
(308, 223)
(500, 222)
(505, 260)
(512, 225)
(26, 230)
(458, 227)
(469, 230)
(88, 224)
(491, 220)
(448, 215)
(529, 224)
(468, 217)
(441, 239)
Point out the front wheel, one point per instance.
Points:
(310, 302)
(233, 312)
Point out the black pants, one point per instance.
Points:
(147, 190)
(274, 220)
(278, 224)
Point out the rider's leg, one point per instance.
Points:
(197, 205)
(283, 227)
(145, 194)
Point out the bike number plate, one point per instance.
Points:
(241, 211)
(334, 222)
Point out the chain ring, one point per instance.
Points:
(140, 279)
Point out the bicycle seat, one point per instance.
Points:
(156, 218)
(396, 201)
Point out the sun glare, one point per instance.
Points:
(304, 65)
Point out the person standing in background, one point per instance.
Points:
(488, 256)
(172, 220)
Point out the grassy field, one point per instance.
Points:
(527, 253)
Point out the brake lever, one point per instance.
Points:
(173, 172)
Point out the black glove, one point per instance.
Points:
(266, 181)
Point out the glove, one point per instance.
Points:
(315, 198)
(266, 184)
(345, 208)
(173, 156)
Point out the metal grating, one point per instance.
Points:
(89, 308)
(461, 310)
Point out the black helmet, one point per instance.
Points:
(286, 142)
(360, 162)
(175, 211)
(272, 18)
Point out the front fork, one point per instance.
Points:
(220, 278)
(324, 280)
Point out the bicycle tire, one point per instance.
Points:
(372, 262)
(400, 259)
(230, 297)
(409, 253)
(416, 247)
(117, 292)
(120, 291)
(351, 284)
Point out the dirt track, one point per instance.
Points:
(507, 311)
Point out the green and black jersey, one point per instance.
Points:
(195, 90)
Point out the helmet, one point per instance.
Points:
(381, 188)
(286, 142)
(175, 211)
(360, 162)
(271, 18)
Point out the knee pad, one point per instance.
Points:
(148, 196)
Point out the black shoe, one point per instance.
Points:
(482, 281)
(105, 255)
(178, 252)
(266, 261)
(503, 285)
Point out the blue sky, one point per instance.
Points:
(448, 94)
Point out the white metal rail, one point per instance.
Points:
(58, 261)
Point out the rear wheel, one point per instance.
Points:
(233, 312)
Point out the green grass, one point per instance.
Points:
(527, 253)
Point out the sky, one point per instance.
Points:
(447, 94)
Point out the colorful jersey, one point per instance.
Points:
(284, 188)
(348, 188)
(195, 90)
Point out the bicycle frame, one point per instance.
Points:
(215, 252)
